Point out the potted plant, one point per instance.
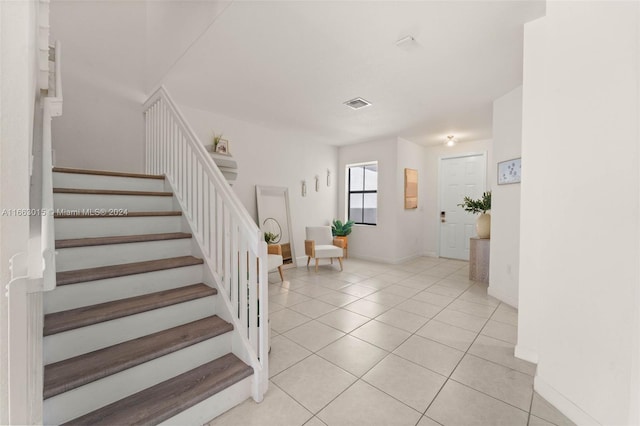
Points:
(482, 206)
(270, 237)
(341, 231)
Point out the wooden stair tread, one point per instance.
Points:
(77, 215)
(87, 315)
(113, 271)
(74, 372)
(120, 239)
(110, 192)
(105, 173)
(164, 400)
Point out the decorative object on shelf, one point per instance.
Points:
(410, 189)
(510, 171)
(341, 231)
(304, 188)
(222, 147)
(328, 178)
(216, 138)
(451, 140)
(317, 183)
(482, 205)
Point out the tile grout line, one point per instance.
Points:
(358, 378)
(461, 358)
(493, 362)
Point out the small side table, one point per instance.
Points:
(479, 259)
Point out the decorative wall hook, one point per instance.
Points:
(304, 188)
(328, 177)
(317, 183)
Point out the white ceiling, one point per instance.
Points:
(291, 64)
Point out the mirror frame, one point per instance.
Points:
(262, 191)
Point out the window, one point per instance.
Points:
(363, 193)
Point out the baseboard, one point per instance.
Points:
(526, 354)
(302, 260)
(429, 254)
(501, 296)
(385, 260)
(370, 258)
(563, 404)
(407, 258)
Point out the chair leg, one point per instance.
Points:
(340, 260)
(280, 270)
(317, 264)
(332, 260)
(308, 260)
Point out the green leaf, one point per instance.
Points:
(481, 205)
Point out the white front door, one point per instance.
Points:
(459, 177)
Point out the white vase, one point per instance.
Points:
(483, 226)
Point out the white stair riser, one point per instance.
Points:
(92, 292)
(82, 400)
(113, 226)
(132, 203)
(76, 342)
(213, 406)
(69, 259)
(73, 180)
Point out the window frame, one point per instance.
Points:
(362, 192)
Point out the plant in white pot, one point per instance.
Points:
(482, 206)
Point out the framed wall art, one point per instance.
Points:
(410, 189)
(509, 171)
(222, 147)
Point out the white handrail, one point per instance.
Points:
(52, 108)
(232, 245)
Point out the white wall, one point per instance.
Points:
(366, 241)
(171, 27)
(409, 222)
(103, 80)
(397, 237)
(115, 53)
(433, 154)
(276, 157)
(580, 194)
(505, 200)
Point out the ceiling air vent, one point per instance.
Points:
(357, 103)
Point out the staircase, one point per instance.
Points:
(131, 334)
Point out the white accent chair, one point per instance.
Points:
(320, 244)
(274, 258)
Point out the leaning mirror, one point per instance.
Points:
(274, 218)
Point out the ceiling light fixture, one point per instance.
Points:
(403, 40)
(451, 141)
(357, 103)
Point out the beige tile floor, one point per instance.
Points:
(411, 344)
